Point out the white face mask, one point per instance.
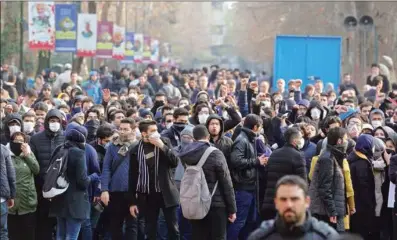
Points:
(301, 143)
(28, 127)
(315, 113)
(168, 125)
(154, 135)
(138, 133)
(266, 104)
(55, 126)
(376, 123)
(14, 129)
(203, 118)
(49, 106)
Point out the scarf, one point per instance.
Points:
(124, 146)
(143, 176)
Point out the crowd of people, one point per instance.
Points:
(288, 163)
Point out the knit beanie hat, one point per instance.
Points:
(188, 130)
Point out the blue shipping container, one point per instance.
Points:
(302, 57)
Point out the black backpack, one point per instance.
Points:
(55, 179)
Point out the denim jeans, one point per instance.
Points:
(247, 216)
(68, 228)
(3, 221)
(162, 231)
(89, 225)
(185, 228)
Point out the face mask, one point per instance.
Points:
(28, 127)
(155, 135)
(14, 129)
(315, 113)
(376, 123)
(301, 143)
(55, 126)
(203, 118)
(390, 151)
(49, 107)
(266, 104)
(168, 125)
(138, 133)
(16, 148)
(133, 95)
(182, 105)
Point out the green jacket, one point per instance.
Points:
(26, 196)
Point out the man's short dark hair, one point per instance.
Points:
(252, 120)
(31, 93)
(129, 121)
(331, 120)
(160, 94)
(334, 134)
(166, 108)
(104, 131)
(200, 132)
(180, 112)
(92, 110)
(374, 65)
(291, 133)
(41, 106)
(28, 114)
(145, 124)
(292, 180)
(113, 113)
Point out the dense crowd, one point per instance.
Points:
(196, 154)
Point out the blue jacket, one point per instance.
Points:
(309, 150)
(117, 181)
(92, 167)
(7, 175)
(93, 89)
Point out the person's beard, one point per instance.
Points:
(292, 219)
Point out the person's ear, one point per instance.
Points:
(307, 202)
(340, 141)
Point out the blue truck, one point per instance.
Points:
(307, 57)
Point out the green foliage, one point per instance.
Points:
(8, 47)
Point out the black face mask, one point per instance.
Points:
(16, 148)
(159, 103)
(390, 151)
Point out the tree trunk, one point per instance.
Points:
(78, 62)
(44, 60)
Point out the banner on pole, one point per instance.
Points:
(129, 48)
(65, 27)
(118, 42)
(138, 47)
(86, 35)
(41, 25)
(146, 55)
(154, 47)
(104, 48)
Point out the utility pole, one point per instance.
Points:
(21, 23)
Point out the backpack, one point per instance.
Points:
(195, 196)
(55, 180)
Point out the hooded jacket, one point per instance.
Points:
(316, 104)
(362, 176)
(223, 143)
(174, 134)
(45, 142)
(215, 169)
(5, 136)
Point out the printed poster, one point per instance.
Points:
(129, 48)
(165, 51)
(104, 47)
(154, 47)
(87, 35)
(65, 27)
(41, 25)
(146, 55)
(138, 47)
(118, 42)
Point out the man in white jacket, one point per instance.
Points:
(62, 78)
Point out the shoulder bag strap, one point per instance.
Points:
(204, 157)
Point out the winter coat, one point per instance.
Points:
(361, 171)
(173, 94)
(223, 143)
(309, 151)
(386, 83)
(327, 189)
(7, 175)
(243, 161)
(5, 135)
(287, 160)
(393, 175)
(26, 197)
(168, 161)
(277, 229)
(147, 90)
(118, 84)
(173, 134)
(215, 170)
(74, 203)
(92, 166)
(93, 89)
(45, 142)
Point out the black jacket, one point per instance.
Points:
(244, 161)
(168, 161)
(277, 230)
(45, 142)
(5, 135)
(284, 161)
(327, 189)
(386, 83)
(223, 143)
(215, 169)
(74, 202)
(393, 175)
(173, 134)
